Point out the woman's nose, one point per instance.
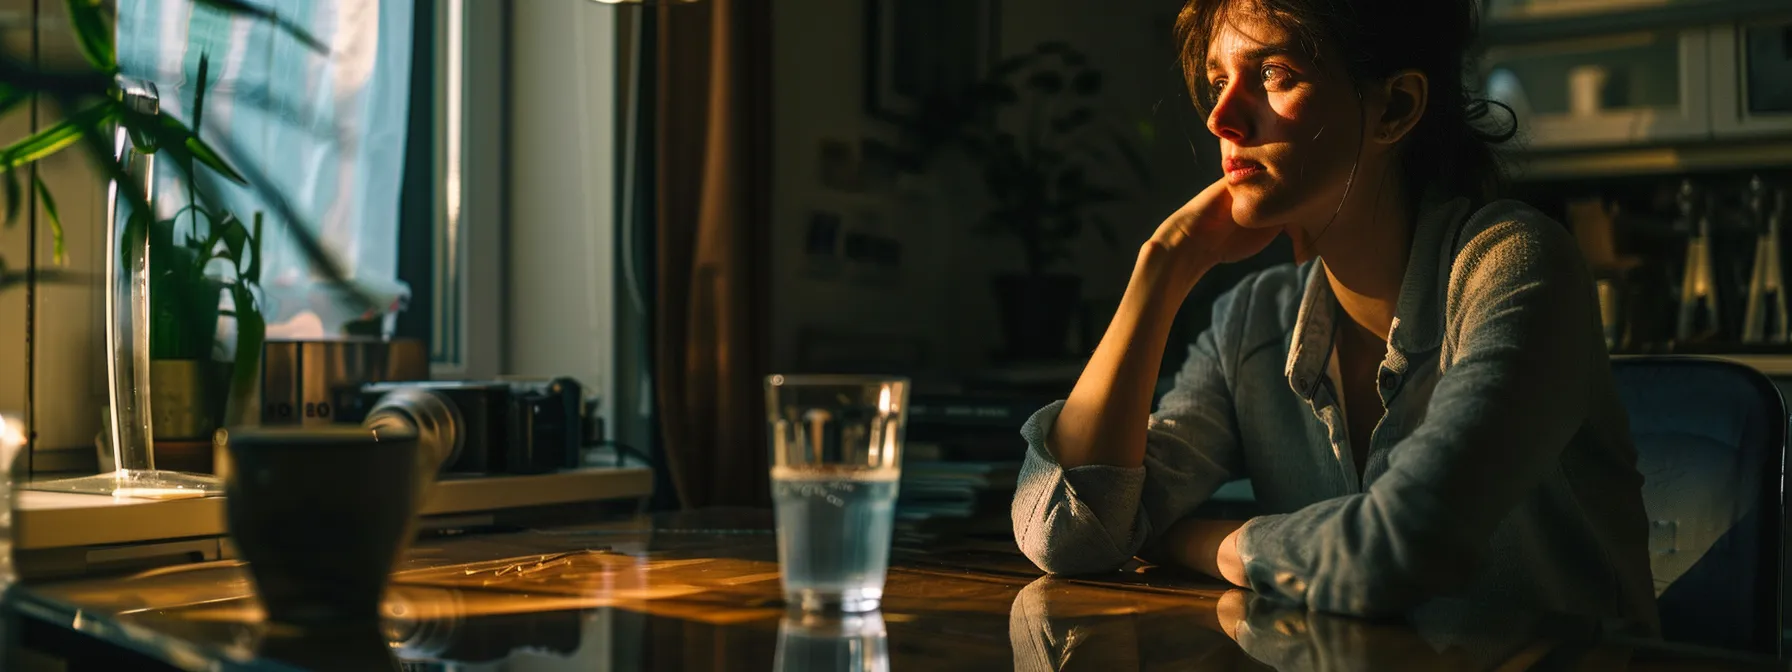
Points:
(1228, 119)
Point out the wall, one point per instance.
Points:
(56, 328)
(939, 296)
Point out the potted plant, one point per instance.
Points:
(1045, 181)
(207, 250)
(196, 256)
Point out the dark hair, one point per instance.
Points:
(1451, 146)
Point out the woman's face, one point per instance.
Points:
(1289, 130)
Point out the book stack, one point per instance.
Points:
(943, 489)
(963, 455)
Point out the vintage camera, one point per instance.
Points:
(484, 427)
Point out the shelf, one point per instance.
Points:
(1620, 16)
(1775, 366)
(1705, 156)
(61, 520)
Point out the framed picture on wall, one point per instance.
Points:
(917, 49)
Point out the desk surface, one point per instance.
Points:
(702, 592)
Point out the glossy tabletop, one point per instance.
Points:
(700, 592)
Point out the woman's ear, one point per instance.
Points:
(1406, 94)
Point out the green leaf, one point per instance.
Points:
(11, 98)
(254, 272)
(92, 34)
(183, 145)
(235, 237)
(245, 374)
(199, 92)
(1073, 120)
(1133, 159)
(1086, 83)
(1106, 229)
(59, 253)
(15, 198)
(293, 29)
(1011, 65)
(55, 138)
(1072, 180)
(1097, 195)
(1046, 82)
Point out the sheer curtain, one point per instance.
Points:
(325, 129)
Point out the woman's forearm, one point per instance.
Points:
(1207, 546)
(1104, 420)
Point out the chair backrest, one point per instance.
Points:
(1711, 444)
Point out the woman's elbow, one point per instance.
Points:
(1058, 543)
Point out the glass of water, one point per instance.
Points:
(836, 446)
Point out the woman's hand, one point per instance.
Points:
(1201, 235)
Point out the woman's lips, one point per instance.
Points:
(1239, 170)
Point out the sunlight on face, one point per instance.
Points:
(1288, 127)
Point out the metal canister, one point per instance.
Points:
(306, 382)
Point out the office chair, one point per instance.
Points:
(1711, 444)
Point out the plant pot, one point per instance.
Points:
(1036, 313)
(187, 398)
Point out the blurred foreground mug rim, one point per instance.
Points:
(779, 379)
(313, 438)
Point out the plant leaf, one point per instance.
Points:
(92, 34)
(199, 92)
(59, 253)
(1106, 229)
(235, 237)
(11, 98)
(1086, 83)
(293, 29)
(322, 260)
(1096, 195)
(1072, 180)
(55, 138)
(15, 197)
(1010, 65)
(1131, 154)
(254, 271)
(1046, 82)
(183, 145)
(1073, 120)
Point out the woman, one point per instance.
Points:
(1424, 409)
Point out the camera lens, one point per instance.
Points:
(435, 417)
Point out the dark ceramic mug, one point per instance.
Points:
(321, 515)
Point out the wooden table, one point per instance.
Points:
(701, 592)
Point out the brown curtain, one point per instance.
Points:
(712, 203)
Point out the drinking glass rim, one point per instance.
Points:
(783, 379)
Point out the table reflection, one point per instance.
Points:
(346, 649)
(839, 643)
(1055, 625)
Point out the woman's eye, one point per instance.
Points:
(1216, 87)
(1275, 77)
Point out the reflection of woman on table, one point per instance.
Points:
(1424, 409)
(1051, 630)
